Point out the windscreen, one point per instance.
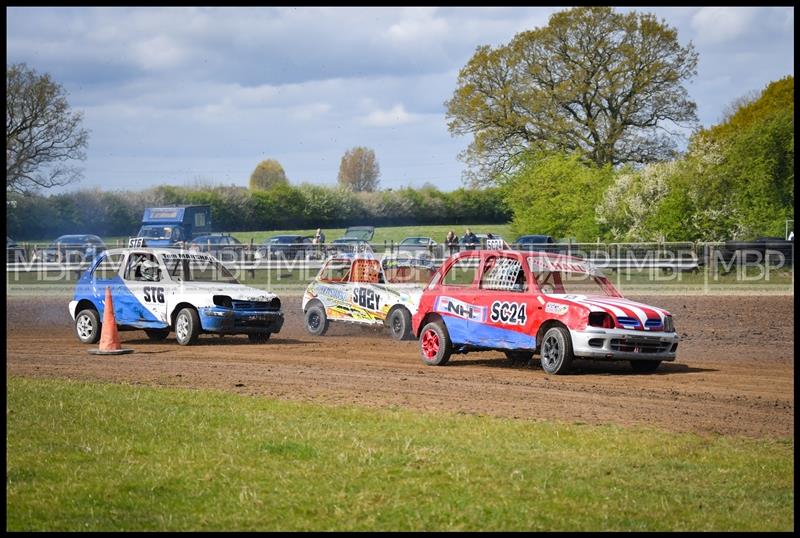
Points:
(555, 276)
(156, 232)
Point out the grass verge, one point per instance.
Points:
(90, 456)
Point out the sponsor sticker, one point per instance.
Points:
(556, 308)
(461, 309)
(333, 293)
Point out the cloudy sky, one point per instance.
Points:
(201, 95)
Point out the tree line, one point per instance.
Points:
(283, 207)
(735, 181)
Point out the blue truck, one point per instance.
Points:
(173, 226)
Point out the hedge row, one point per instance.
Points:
(119, 213)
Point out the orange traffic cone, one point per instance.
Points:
(109, 336)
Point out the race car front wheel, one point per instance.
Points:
(88, 326)
(187, 326)
(316, 320)
(434, 344)
(400, 324)
(556, 351)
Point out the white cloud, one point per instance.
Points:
(417, 25)
(397, 115)
(158, 53)
(722, 24)
(309, 111)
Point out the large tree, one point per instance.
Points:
(267, 175)
(359, 170)
(42, 133)
(603, 83)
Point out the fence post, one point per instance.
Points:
(250, 257)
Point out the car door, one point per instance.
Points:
(455, 300)
(366, 291)
(106, 275)
(504, 293)
(143, 301)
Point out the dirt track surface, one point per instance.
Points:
(734, 374)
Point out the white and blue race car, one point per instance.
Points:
(161, 290)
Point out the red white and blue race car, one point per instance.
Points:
(527, 302)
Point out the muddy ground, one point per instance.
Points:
(734, 374)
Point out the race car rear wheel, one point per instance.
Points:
(187, 326)
(258, 338)
(157, 334)
(88, 326)
(400, 324)
(316, 320)
(645, 366)
(556, 351)
(434, 344)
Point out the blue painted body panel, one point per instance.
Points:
(468, 332)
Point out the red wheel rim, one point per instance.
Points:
(430, 343)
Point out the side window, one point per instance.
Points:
(335, 271)
(366, 271)
(108, 267)
(503, 274)
(461, 273)
(142, 267)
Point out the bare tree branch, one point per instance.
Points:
(42, 133)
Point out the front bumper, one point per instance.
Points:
(623, 344)
(227, 321)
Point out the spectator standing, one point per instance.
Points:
(319, 240)
(470, 239)
(451, 241)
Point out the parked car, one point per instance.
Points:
(225, 248)
(14, 252)
(755, 251)
(286, 246)
(348, 245)
(161, 290)
(533, 242)
(522, 303)
(71, 249)
(360, 289)
(417, 245)
(364, 233)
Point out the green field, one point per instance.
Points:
(90, 456)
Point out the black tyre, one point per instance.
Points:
(556, 351)
(157, 335)
(519, 355)
(645, 366)
(435, 347)
(399, 323)
(258, 338)
(187, 326)
(88, 326)
(316, 320)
